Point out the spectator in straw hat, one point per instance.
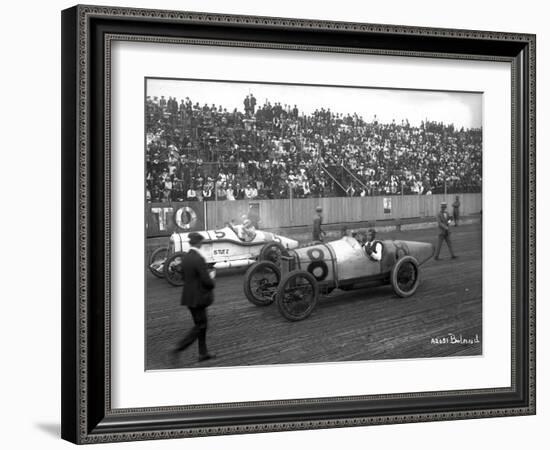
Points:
(443, 221)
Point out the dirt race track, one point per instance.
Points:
(364, 324)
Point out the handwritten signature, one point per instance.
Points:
(452, 338)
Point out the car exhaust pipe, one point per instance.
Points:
(234, 264)
(159, 265)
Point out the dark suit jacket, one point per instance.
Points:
(456, 205)
(198, 286)
(317, 232)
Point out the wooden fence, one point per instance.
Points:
(299, 212)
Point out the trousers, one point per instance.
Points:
(447, 239)
(200, 319)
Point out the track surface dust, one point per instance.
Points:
(364, 324)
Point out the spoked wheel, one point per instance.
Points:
(405, 276)
(157, 260)
(260, 283)
(273, 251)
(297, 295)
(171, 272)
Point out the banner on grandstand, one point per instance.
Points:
(165, 218)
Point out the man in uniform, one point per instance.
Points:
(197, 295)
(318, 233)
(456, 207)
(443, 220)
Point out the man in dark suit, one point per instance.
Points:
(252, 103)
(443, 220)
(456, 208)
(197, 295)
(318, 233)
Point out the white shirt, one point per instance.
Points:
(376, 250)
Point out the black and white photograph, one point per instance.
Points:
(272, 222)
(296, 224)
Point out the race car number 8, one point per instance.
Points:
(316, 254)
(317, 267)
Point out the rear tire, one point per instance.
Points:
(405, 276)
(157, 261)
(173, 276)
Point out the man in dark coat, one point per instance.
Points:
(246, 103)
(252, 103)
(197, 295)
(456, 208)
(318, 233)
(444, 231)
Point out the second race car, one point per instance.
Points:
(231, 246)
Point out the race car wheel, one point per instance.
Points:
(405, 276)
(173, 276)
(273, 251)
(260, 283)
(297, 295)
(157, 260)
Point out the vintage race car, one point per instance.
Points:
(308, 272)
(222, 249)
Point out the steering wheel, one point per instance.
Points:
(232, 228)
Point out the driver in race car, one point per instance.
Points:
(373, 248)
(247, 231)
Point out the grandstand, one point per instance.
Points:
(206, 152)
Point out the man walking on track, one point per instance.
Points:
(444, 231)
(197, 295)
(318, 233)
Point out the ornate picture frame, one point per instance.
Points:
(88, 33)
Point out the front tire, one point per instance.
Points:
(405, 276)
(172, 275)
(157, 261)
(297, 295)
(260, 283)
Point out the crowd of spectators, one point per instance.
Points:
(207, 152)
